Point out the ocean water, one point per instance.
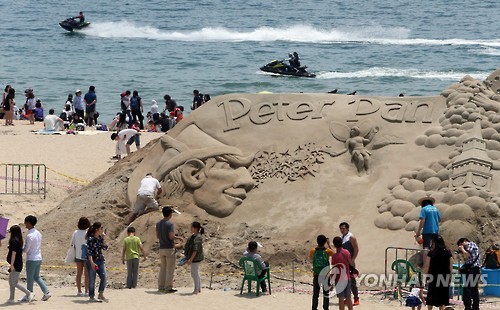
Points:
(172, 47)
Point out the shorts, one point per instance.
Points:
(346, 293)
(135, 139)
(29, 112)
(145, 202)
(78, 260)
(427, 240)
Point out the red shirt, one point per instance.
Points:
(341, 260)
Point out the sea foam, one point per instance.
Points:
(295, 33)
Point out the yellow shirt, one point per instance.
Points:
(132, 245)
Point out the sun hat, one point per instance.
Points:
(432, 200)
(78, 91)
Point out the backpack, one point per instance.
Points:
(320, 260)
(492, 259)
(134, 103)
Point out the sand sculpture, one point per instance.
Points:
(286, 139)
(282, 168)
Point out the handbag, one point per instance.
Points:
(71, 255)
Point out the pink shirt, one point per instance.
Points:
(342, 260)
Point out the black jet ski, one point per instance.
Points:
(281, 67)
(71, 24)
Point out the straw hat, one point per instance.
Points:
(432, 200)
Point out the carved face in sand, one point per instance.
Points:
(224, 187)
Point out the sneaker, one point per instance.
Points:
(24, 298)
(10, 301)
(356, 301)
(46, 296)
(92, 299)
(31, 296)
(102, 298)
(81, 294)
(172, 290)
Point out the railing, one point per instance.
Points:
(23, 179)
(396, 249)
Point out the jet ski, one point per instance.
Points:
(70, 24)
(282, 68)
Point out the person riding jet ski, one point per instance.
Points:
(294, 60)
(80, 17)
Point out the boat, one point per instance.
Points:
(70, 24)
(282, 68)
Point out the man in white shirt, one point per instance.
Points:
(146, 202)
(53, 122)
(123, 141)
(32, 248)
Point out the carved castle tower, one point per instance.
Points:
(472, 167)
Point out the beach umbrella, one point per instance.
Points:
(3, 227)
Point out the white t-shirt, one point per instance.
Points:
(154, 108)
(52, 122)
(127, 133)
(126, 102)
(148, 186)
(31, 103)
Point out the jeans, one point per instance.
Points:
(13, 283)
(167, 268)
(316, 289)
(33, 274)
(132, 272)
(195, 274)
(470, 289)
(92, 276)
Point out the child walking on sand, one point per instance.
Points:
(132, 249)
(193, 250)
(15, 260)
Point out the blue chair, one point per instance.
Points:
(251, 271)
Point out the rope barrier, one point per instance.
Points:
(69, 177)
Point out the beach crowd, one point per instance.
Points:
(79, 111)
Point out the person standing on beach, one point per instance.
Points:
(342, 261)
(320, 260)
(33, 250)
(193, 250)
(145, 201)
(165, 233)
(350, 243)
(137, 109)
(96, 262)
(8, 106)
(30, 105)
(132, 249)
(79, 104)
(90, 101)
(471, 273)
(15, 260)
(77, 241)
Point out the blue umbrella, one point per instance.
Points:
(3, 227)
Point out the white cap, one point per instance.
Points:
(154, 102)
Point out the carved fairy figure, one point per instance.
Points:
(356, 139)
